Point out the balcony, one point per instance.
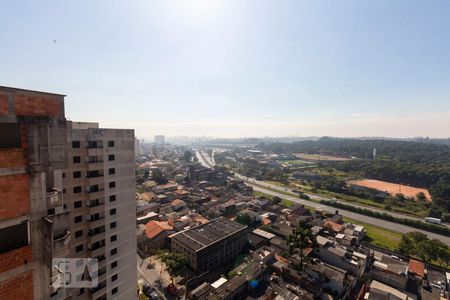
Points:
(94, 162)
(54, 197)
(94, 174)
(94, 145)
(96, 222)
(95, 203)
(94, 192)
(62, 240)
(97, 248)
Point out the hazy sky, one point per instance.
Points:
(237, 68)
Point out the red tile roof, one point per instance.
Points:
(154, 228)
(334, 226)
(417, 267)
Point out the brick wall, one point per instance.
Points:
(3, 103)
(14, 258)
(16, 157)
(15, 199)
(19, 287)
(26, 105)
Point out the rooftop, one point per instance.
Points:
(417, 267)
(207, 234)
(154, 228)
(7, 88)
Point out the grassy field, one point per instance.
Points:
(319, 157)
(298, 162)
(379, 236)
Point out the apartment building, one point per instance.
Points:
(210, 245)
(33, 216)
(99, 184)
(66, 191)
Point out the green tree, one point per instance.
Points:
(243, 219)
(410, 241)
(276, 200)
(417, 244)
(300, 239)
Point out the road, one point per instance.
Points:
(274, 191)
(152, 277)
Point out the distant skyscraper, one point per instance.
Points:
(160, 140)
(137, 147)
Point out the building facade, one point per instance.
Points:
(67, 190)
(33, 214)
(100, 191)
(210, 245)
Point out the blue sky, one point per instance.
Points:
(237, 68)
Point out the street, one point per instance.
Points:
(152, 277)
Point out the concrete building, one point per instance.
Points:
(67, 191)
(137, 147)
(160, 140)
(210, 245)
(99, 186)
(33, 212)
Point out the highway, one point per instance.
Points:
(275, 191)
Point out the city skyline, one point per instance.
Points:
(237, 68)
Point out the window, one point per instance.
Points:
(77, 204)
(113, 264)
(81, 292)
(76, 159)
(78, 233)
(112, 198)
(51, 211)
(113, 251)
(111, 157)
(10, 133)
(110, 143)
(115, 290)
(75, 144)
(76, 174)
(78, 219)
(113, 238)
(112, 184)
(79, 248)
(64, 190)
(13, 237)
(112, 212)
(114, 277)
(113, 225)
(64, 175)
(112, 171)
(77, 189)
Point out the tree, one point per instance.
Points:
(174, 261)
(276, 200)
(409, 242)
(300, 239)
(244, 219)
(421, 197)
(417, 244)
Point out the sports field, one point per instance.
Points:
(391, 188)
